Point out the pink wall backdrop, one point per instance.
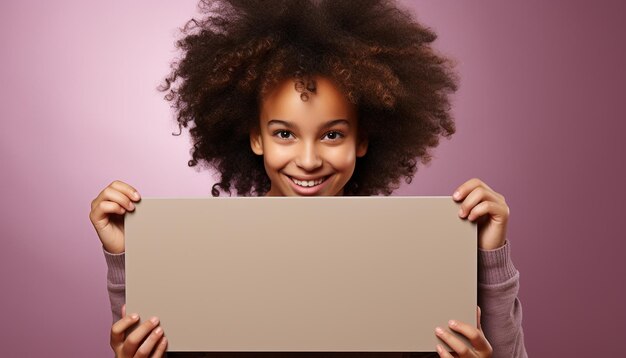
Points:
(540, 116)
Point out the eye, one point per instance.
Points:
(282, 134)
(334, 135)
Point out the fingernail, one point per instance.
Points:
(456, 195)
(452, 323)
(134, 316)
(131, 206)
(439, 349)
(136, 195)
(154, 320)
(461, 212)
(439, 331)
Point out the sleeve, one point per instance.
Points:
(116, 282)
(501, 310)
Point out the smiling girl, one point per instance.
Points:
(318, 98)
(308, 147)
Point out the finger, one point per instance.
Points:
(475, 197)
(478, 318)
(148, 344)
(126, 195)
(119, 327)
(443, 353)
(116, 196)
(160, 349)
(133, 340)
(124, 310)
(111, 202)
(467, 187)
(496, 211)
(120, 186)
(456, 344)
(130, 191)
(100, 215)
(473, 334)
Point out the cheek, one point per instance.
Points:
(342, 158)
(276, 156)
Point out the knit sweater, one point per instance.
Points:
(498, 285)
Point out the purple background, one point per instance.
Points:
(540, 116)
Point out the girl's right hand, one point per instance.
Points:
(107, 214)
(139, 343)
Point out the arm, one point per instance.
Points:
(116, 282)
(501, 310)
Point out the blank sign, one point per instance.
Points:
(301, 273)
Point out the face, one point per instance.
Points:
(308, 148)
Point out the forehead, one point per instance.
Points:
(328, 102)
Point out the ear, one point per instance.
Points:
(361, 148)
(256, 142)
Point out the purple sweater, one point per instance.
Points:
(498, 284)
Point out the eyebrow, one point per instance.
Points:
(326, 125)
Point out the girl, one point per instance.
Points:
(318, 98)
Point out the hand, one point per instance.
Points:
(139, 343)
(478, 200)
(107, 214)
(480, 346)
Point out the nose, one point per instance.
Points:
(308, 159)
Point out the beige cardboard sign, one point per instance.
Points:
(301, 273)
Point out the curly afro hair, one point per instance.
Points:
(379, 56)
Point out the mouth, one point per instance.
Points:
(308, 187)
(308, 183)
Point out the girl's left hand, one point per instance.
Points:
(480, 346)
(478, 200)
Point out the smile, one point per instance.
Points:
(308, 183)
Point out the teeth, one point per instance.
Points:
(308, 183)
